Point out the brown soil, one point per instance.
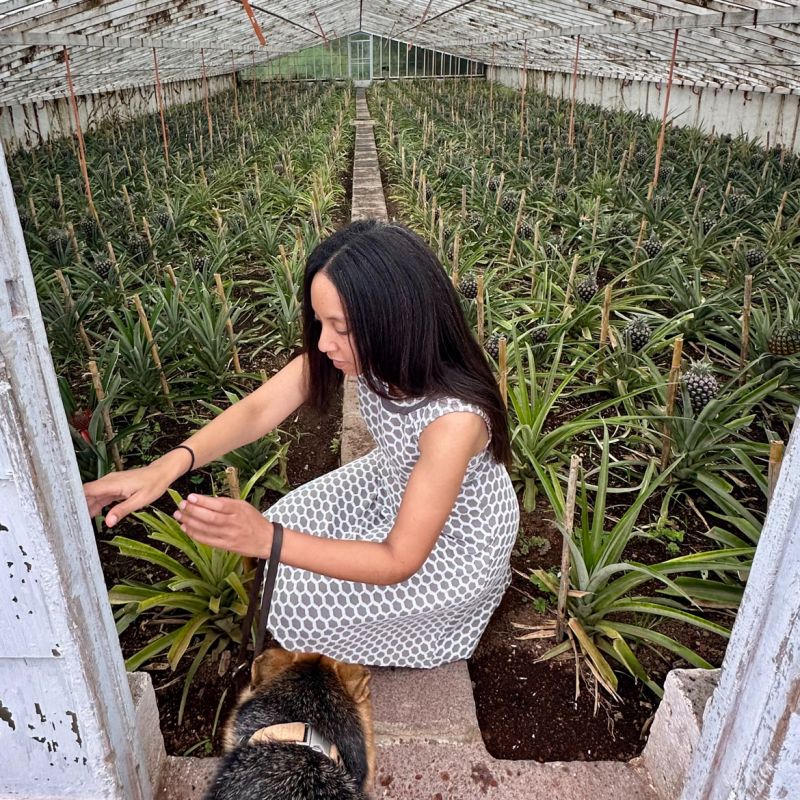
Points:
(529, 710)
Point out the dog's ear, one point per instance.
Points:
(355, 679)
(269, 664)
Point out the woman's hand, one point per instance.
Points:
(233, 525)
(136, 487)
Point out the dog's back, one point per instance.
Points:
(332, 698)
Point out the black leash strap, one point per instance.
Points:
(266, 599)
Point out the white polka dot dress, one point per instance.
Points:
(439, 613)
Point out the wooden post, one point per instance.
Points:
(569, 524)
(112, 257)
(480, 308)
(60, 193)
(536, 237)
(516, 226)
(672, 390)
(502, 367)
(454, 265)
(775, 460)
(235, 88)
(237, 367)
(101, 395)
(153, 347)
(748, 303)
(523, 85)
(696, 180)
(596, 218)
(79, 133)
(571, 137)
(205, 98)
(663, 132)
(72, 310)
(160, 99)
(779, 214)
(571, 281)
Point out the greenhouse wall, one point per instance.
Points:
(771, 117)
(31, 124)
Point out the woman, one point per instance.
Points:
(400, 557)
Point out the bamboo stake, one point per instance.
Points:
(536, 237)
(128, 205)
(480, 308)
(502, 366)
(112, 257)
(499, 192)
(596, 218)
(748, 304)
(696, 179)
(570, 282)
(72, 310)
(79, 133)
(523, 85)
(463, 201)
(516, 226)
(101, 395)
(779, 215)
(571, 137)
(73, 240)
(153, 347)
(569, 524)
(205, 98)
(235, 88)
(672, 390)
(775, 461)
(237, 367)
(59, 191)
(456, 248)
(663, 132)
(159, 96)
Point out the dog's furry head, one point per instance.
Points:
(331, 695)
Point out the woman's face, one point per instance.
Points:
(334, 340)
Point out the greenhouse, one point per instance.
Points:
(400, 400)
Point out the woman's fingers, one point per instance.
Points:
(223, 505)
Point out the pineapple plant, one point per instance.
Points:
(201, 264)
(474, 221)
(737, 200)
(652, 246)
(525, 231)
(55, 202)
(701, 384)
(493, 184)
(163, 218)
(587, 288)
(103, 268)
(619, 230)
(707, 224)
(561, 193)
(637, 333)
(468, 286)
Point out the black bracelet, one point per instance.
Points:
(191, 452)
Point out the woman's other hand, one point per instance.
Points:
(228, 524)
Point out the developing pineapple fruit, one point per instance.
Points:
(163, 218)
(587, 288)
(652, 247)
(539, 334)
(58, 242)
(89, 228)
(509, 202)
(525, 231)
(201, 263)
(474, 220)
(707, 224)
(701, 385)
(637, 333)
(737, 200)
(55, 202)
(755, 257)
(785, 341)
(492, 345)
(493, 184)
(103, 268)
(468, 287)
(139, 248)
(24, 221)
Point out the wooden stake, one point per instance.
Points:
(454, 265)
(748, 304)
(536, 237)
(235, 88)
(775, 460)
(480, 308)
(672, 390)
(101, 395)
(571, 136)
(61, 212)
(153, 347)
(72, 310)
(228, 324)
(205, 98)
(569, 524)
(516, 226)
(662, 133)
(570, 281)
(159, 96)
(79, 134)
(696, 180)
(502, 367)
(779, 215)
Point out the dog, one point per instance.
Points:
(302, 730)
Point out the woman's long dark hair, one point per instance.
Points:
(405, 322)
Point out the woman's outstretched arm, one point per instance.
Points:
(245, 421)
